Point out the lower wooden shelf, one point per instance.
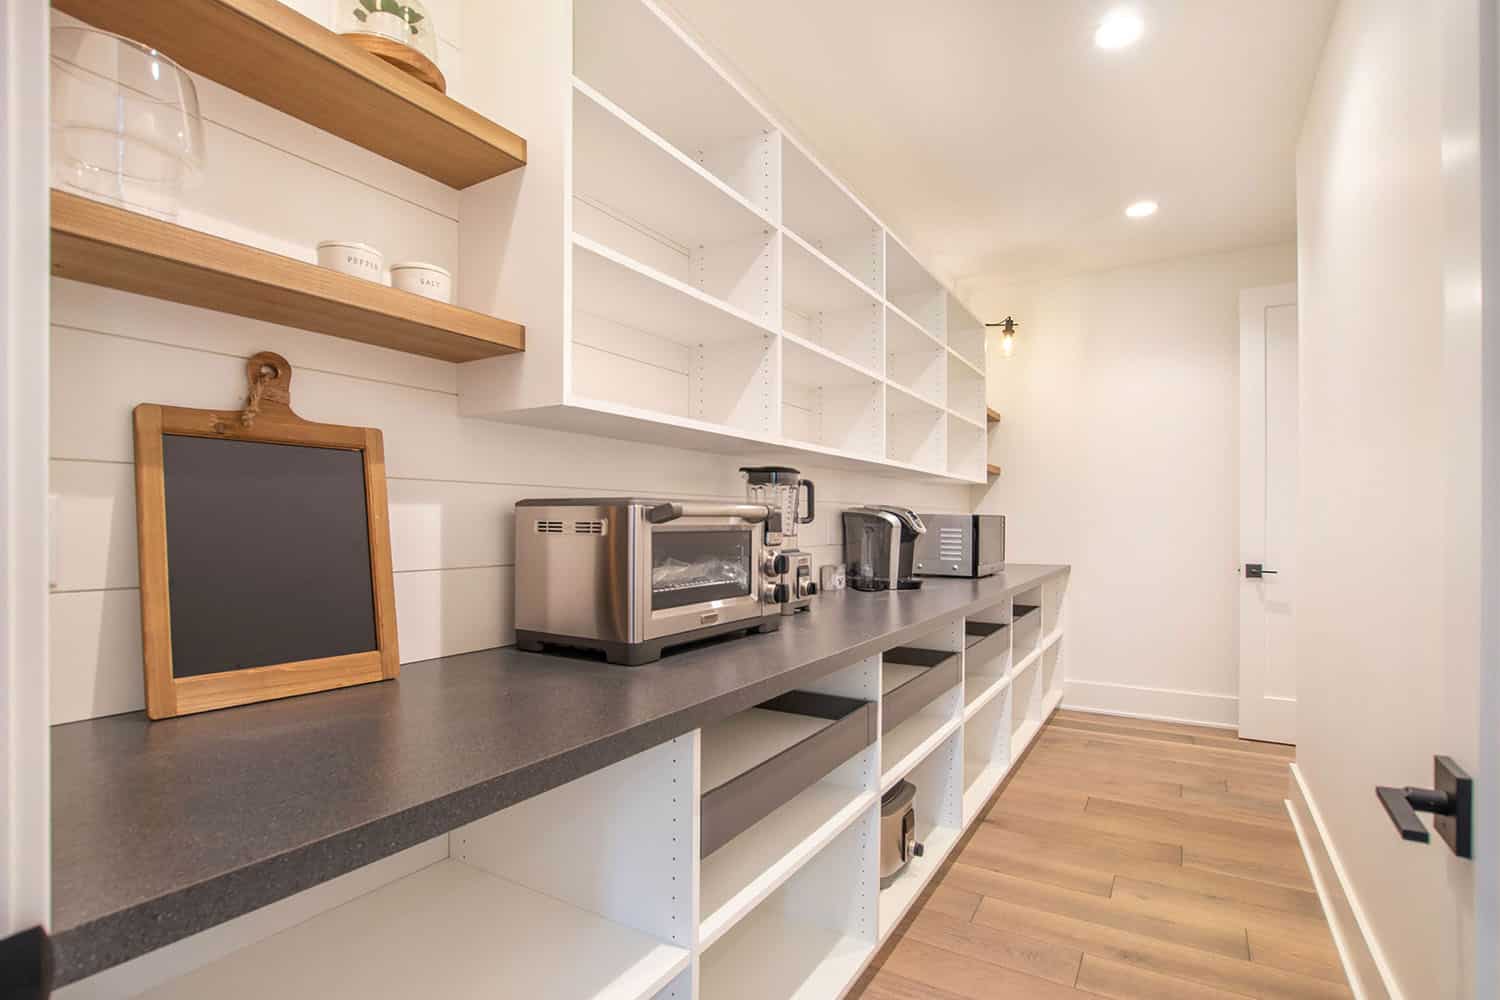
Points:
(105, 245)
(481, 936)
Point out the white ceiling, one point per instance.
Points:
(1002, 145)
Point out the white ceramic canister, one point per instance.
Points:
(358, 259)
(423, 279)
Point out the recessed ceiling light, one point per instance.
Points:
(1141, 209)
(1120, 27)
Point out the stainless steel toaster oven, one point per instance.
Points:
(629, 577)
(970, 545)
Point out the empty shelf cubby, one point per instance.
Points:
(758, 760)
(912, 678)
(977, 632)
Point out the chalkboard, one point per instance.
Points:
(288, 523)
(265, 551)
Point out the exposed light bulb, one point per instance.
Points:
(1008, 344)
(1120, 28)
(1141, 209)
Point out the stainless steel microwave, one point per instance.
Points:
(969, 545)
(629, 577)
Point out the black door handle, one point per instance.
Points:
(1254, 571)
(1451, 804)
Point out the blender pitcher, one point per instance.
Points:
(779, 489)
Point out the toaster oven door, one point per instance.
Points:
(697, 572)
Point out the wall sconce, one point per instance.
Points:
(1007, 335)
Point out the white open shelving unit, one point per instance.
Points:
(718, 287)
(596, 889)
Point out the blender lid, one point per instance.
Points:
(770, 473)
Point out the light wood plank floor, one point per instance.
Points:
(1124, 859)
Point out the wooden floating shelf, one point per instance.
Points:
(105, 245)
(269, 52)
(993, 470)
(991, 415)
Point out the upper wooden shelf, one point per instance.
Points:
(269, 52)
(105, 245)
(992, 469)
(991, 415)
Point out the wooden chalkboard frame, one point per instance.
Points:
(267, 418)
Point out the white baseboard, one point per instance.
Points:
(1364, 964)
(1194, 707)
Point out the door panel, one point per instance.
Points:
(1268, 513)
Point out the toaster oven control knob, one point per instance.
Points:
(779, 594)
(812, 589)
(780, 563)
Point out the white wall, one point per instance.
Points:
(277, 183)
(1388, 414)
(1119, 449)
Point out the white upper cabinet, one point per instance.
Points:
(715, 287)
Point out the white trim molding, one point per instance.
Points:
(1364, 963)
(1198, 708)
(25, 851)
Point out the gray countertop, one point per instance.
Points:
(161, 830)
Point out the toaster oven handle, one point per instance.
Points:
(662, 513)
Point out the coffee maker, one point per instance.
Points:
(878, 546)
(780, 489)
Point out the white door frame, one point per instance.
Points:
(25, 855)
(1260, 717)
(1469, 665)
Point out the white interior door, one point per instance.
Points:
(1268, 507)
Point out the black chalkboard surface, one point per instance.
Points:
(265, 551)
(288, 522)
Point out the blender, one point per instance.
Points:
(779, 489)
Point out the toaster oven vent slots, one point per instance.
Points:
(549, 527)
(588, 527)
(951, 543)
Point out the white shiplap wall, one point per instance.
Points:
(277, 183)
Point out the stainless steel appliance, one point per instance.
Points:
(898, 831)
(630, 576)
(970, 545)
(780, 489)
(878, 547)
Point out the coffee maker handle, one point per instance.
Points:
(811, 497)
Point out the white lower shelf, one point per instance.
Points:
(978, 791)
(896, 899)
(476, 935)
(1051, 639)
(1050, 703)
(753, 865)
(1026, 663)
(768, 955)
(980, 690)
(906, 746)
(1022, 737)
